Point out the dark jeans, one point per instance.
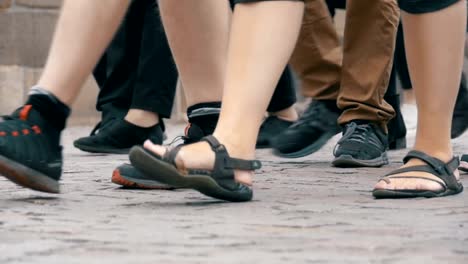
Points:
(137, 70)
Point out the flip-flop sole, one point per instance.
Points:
(27, 177)
(164, 172)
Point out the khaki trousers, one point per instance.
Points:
(357, 74)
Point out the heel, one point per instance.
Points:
(399, 143)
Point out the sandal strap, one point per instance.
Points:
(225, 165)
(171, 154)
(422, 168)
(415, 177)
(435, 166)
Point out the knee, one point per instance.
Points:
(424, 6)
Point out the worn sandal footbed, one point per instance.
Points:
(443, 171)
(217, 183)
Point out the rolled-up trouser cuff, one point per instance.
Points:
(424, 6)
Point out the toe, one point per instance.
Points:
(156, 149)
(382, 185)
(408, 184)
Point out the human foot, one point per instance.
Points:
(127, 176)
(205, 167)
(363, 144)
(142, 118)
(30, 153)
(202, 122)
(270, 128)
(197, 156)
(421, 176)
(119, 137)
(312, 131)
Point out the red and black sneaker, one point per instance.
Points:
(129, 177)
(30, 151)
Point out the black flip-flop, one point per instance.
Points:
(436, 167)
(218, 183)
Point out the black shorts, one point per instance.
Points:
(424, 6)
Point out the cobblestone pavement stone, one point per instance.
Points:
(304, 211)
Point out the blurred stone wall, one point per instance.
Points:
(26, 28)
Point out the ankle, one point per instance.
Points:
(235, 147)
(142, 118)
(49, 106)
(205, 116)
(288, 114)
(443, 155)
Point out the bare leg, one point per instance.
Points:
(288, 114)
(142, 118)
(83, 31)
(434, 44)
(202, 67)
(263, 36)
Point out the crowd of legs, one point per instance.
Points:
(232, 61)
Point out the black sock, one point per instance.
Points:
(205, 116)
(50, 107)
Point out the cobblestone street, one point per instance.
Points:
(304, 211)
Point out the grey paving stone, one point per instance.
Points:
(304, 211)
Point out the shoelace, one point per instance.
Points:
(350, 134)
(174, 140)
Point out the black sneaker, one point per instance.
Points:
(270, 128)
(460, 113)
(118, 137)
(362, 145)
(128, 176)
(311, 132)
(30, 152)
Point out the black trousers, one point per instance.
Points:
(137, 70)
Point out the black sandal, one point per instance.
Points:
(464, 158)
(218, 183)
(436, 167)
